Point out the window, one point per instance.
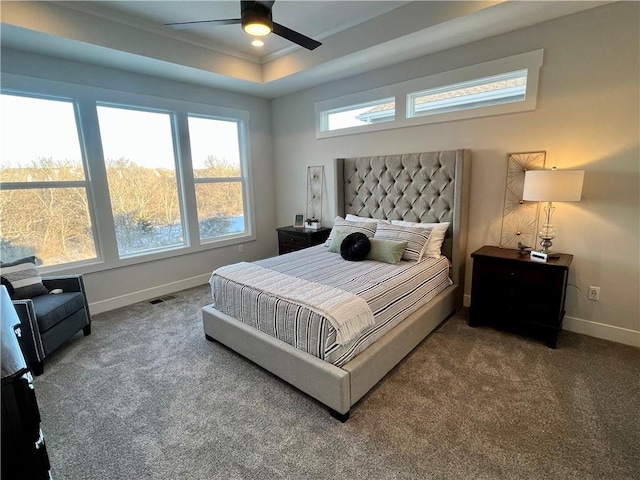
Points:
(506, 85)
(100, 178)
(140, 160)
(216, 158)
(44, 195)
(482, 92)
(355, 115)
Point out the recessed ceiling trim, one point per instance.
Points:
(50, 19)
(410, 31)
(138, 23)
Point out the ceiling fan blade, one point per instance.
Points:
(202, 23)
(295, 37)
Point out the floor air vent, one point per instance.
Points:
(161, 299)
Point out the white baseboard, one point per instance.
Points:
(592, 329)
(601, 330)
(147, 294)
(571, 324)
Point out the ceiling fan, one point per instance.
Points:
(256, 19)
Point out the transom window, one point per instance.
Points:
(368, 113)
(506, 85)
(481, 92)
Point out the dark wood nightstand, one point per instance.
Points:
(291, 239)
(511, 291)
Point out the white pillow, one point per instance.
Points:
(344, 226)
(438, 231)
(416, 238)
(355, 218)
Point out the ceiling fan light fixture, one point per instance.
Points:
(257, 28)
(256, 19)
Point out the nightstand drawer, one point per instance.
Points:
(293, 240)
(507, 276)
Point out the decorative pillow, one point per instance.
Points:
(388, 251)
(23, 277)
(336, 241)
(433, 248)
(355, 247)
(341, 225)
(416, 238)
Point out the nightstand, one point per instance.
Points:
(511, 291)
(291, 239)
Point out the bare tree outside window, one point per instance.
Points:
(44, 203)
(143, 184)
(217, 171)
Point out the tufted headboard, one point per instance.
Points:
(417, 187)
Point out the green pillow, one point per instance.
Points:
(388, 251)
(336, 241)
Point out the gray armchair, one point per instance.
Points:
(48, 321)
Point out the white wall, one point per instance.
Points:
(116, 287)
(587, 117)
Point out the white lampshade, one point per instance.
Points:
(553, 185)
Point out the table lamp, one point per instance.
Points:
(552, 186)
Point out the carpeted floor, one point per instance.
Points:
(146, 396)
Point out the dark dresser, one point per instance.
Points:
(511, 291)
(291, 239)
(24, 453)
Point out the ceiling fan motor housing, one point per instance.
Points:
(254, 12)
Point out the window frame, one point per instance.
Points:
(242, 179)
(530, 61)
(178, 172)
(63, 184)
(324, 114)
(456, 105)
(87, 98)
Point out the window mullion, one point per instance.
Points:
(98, 188)
(190, 209)
(217, 179)
(44, 184)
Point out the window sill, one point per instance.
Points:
(96, 265)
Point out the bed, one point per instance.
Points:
(427, 187)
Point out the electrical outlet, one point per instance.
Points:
(594, 293)
(241, 248)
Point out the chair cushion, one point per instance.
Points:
(53, 308)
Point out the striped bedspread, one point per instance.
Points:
(392, 292)
(348, 313)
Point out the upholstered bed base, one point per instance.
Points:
(426, 187)
(338, 388)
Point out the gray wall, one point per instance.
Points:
(115, 287)
(587, 117)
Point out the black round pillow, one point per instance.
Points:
(355, 247)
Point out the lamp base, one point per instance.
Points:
(545, 243)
